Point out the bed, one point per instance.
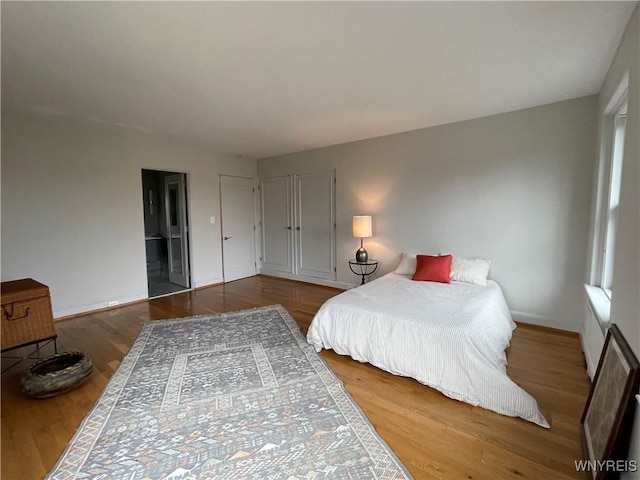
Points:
(451, 337)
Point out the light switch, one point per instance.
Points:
(212, 220)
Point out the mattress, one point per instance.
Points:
(451, 337)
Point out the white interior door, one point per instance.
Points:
(315, 225)
(277, 224)
(176, 221)
(238, 227)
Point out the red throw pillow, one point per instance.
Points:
(433, 269)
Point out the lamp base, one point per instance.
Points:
(362, 255)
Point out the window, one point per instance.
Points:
(610, 177)
(615, 178)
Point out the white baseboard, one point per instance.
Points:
(543, 321)
(79, 309)
(76, 310)
(208, 282)
(302, 278)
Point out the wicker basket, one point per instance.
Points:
(57, 374)
(27, 316)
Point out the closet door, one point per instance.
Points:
(277, 228)
(315, 225)
(238, 227)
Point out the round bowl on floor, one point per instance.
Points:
(57, 374)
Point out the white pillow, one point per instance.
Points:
(408, 264)
(470, 270)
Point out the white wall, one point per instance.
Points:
(72, 211)
(625, 302)
(514, 188)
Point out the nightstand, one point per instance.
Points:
(363, 268)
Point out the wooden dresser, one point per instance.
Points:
(27, 316)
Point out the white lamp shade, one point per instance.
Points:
(362, 226)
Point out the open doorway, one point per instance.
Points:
(164, 196)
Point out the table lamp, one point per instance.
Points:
(362, 229)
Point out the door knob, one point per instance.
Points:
(287, 228)
(227, 238)
(297, 228)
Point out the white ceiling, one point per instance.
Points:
(261, 79)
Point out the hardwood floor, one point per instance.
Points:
(435, 437)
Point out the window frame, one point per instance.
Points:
(609, 181)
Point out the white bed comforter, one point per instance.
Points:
(451, 337)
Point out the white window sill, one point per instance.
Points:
(600, 305)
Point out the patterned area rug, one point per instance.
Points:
(237, 395)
